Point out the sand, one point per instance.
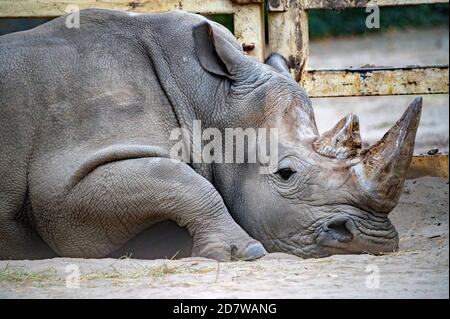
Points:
(418, 270)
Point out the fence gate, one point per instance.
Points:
(288, 35)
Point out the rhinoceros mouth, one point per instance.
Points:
(346, 230)
(353, 234)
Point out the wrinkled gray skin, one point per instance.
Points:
(85, 119)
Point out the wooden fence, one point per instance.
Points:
(288, 35)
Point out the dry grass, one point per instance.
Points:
(20, 276)
(399, 253)
(146, 272)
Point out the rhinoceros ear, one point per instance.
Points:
(215, 54)
(279, 63)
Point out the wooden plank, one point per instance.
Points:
(426, 165)
(53, 8)
(248, 14)
(247, 1)
(376, 81)
(249, 28)
(288, 35)
(341, 4)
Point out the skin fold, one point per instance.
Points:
(85, 121)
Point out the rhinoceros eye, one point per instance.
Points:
(285, 173)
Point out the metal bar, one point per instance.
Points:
(53, 8)
(288, 35)
(425, 165)
(341, 4)
(376, 81)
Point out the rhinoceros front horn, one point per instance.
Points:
(382, 171)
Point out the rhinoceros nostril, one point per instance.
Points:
(339, 228)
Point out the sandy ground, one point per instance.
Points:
(377, 114)
(420, 269)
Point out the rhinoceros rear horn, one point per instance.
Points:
(384, 166)
(342, 141)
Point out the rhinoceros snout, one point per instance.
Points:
(353, 235)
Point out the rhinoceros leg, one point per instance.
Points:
(118, 200)
(19, 241)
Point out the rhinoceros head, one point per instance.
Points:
(332, 196)
(326, 194)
